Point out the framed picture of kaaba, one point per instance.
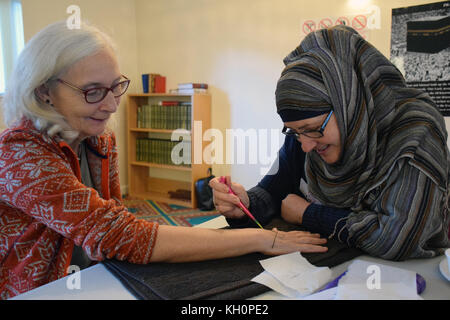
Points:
(420, 48)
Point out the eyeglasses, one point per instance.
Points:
(97, 94)
(315, 134)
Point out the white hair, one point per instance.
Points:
(47, 56)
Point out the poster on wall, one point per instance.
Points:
(420, 48)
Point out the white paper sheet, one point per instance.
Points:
(292, 275)
(374, 281)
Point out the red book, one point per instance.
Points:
(160, 84)
(169, 103)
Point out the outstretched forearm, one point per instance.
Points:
(185, 244)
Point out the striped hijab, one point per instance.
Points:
(394, 159)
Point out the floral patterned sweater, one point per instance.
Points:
(45, 210)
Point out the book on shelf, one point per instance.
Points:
(169, 115)
(159, 151)
(192, 85)
(159, 84)
(156, 83)
(169, 103)
(190, 91)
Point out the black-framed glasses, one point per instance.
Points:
(97, 94)
(315, 134)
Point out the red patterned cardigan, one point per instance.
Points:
(45, 209)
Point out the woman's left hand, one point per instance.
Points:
(302, 241)
(292, 208)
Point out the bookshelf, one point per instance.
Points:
(158, 179)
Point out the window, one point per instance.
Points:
(11, 37)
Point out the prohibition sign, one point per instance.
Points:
(309, 26)
(342, 20)
(359, 22)
(325, 23)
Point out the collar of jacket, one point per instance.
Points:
(105, 141)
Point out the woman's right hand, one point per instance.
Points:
(227, 203)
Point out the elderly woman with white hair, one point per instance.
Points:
(60, 200)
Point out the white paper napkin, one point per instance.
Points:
(292, 275)
(373, 281)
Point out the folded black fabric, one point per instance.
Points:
(221, 279)
(214, 279)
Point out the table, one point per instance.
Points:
(97, 283)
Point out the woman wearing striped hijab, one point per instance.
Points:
(365, 159)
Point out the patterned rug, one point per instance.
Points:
(169, 214)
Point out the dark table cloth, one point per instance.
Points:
(227, 279)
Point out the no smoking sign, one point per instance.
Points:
(309, 26)
(360, 22)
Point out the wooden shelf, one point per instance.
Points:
(141, 183)
(158, 165)
(174, 95)
(155, 130)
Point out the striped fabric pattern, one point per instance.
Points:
(393, 172)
